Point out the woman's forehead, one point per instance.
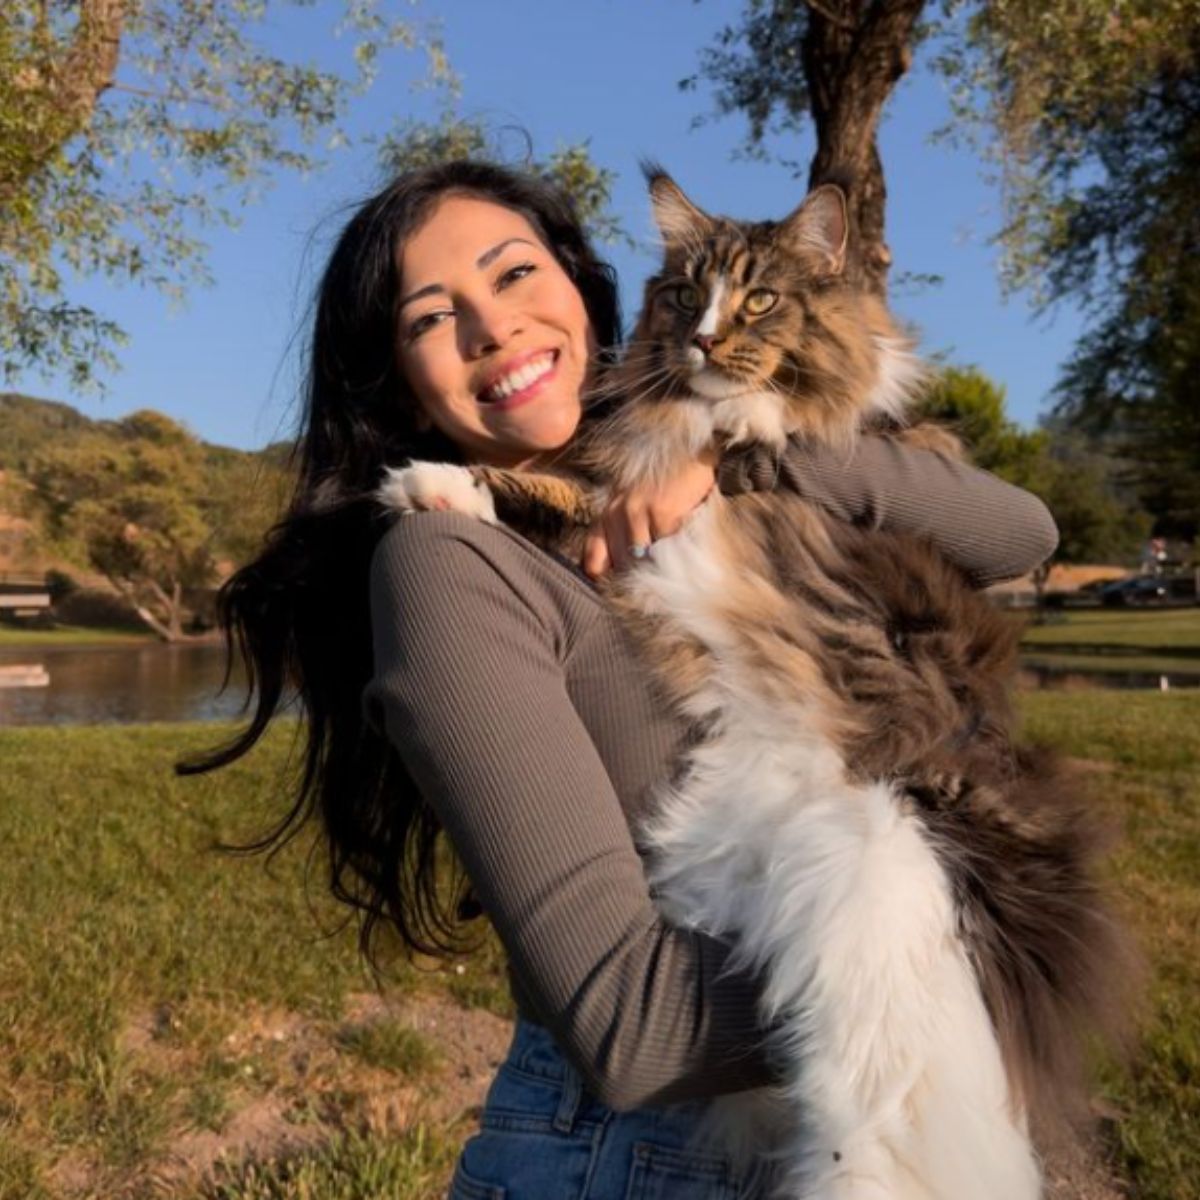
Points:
(462, 233)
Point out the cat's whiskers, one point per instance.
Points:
(629, 390)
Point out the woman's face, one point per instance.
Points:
(492, 335)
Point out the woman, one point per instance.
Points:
(455, 678)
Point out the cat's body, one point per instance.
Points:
(855, 818)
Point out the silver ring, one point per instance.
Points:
(639, 551)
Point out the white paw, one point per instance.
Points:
(441, 487)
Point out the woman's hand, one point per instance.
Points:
(640, 517)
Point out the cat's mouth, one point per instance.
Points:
(714, 384)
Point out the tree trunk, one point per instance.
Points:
(169, 630)
(173, 605)
(853, 54)
(1041, 576)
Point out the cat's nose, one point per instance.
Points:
(705, 341)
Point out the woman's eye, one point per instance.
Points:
(515, 273)
(760, 301)
(687, 297)
(425, 322)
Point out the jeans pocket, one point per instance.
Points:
(465, 1187)
(663, 1173)
(526, 1163)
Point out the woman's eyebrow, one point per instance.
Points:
(489, 256)
(485, 259)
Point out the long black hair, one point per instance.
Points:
(298, 614)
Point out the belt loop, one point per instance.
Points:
(570, 1101)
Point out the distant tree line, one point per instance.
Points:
(1099, 517)
(140, 501)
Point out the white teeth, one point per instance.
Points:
(519, 379)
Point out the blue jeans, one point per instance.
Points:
(543, 1137)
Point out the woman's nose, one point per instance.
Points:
(487, 326)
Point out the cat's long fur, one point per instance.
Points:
(916, 889)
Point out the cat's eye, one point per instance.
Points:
(687, 297)
(760, 301)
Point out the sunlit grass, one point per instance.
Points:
(132, 949)
(1151, 743)
(150, 985)
(1163, 630)
(67, 635)
(413, 1166)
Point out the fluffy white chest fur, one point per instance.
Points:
(893, 1084)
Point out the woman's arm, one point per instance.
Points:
(989, 528)
(470, 687)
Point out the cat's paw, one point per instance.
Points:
(436, 487)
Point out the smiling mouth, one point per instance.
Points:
(521, 382)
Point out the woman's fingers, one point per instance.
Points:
(638, 533)
(632, 523)
(596, 561)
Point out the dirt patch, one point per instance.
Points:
(286, 1082)
(295, 1087)
(473, 1044)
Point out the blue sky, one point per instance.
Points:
(601, 70)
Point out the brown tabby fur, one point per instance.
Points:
(911, 667)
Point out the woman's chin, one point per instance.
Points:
(543, 432)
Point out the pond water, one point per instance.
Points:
(86, 685)
(1064, 678)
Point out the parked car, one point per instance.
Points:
(1149, 591)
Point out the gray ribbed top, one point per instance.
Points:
(512, 695)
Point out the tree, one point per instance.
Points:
(244, 494)
(1090, 110)
(1095, 106)
(1078, 483)
(965, 400)
(126, 126)
(416, 144)
(836, 62)
(128, 500)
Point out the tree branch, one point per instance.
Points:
(126, 590)
(69, 88)
(818, 7)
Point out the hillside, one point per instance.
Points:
(236, 492)
(29, 424)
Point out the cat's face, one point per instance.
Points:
(733, 301)
(740, 308)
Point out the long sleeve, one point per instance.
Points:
(989, 528)
(471, 629)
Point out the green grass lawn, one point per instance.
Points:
(1147, 750)
(67, 635)
(145, 977)
(139, 967)
(1163, 630)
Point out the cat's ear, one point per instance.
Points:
(820, 226)
(677, 218)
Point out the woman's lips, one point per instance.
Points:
(524, 394)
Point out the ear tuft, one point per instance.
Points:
(821, 226)
(677, 218)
